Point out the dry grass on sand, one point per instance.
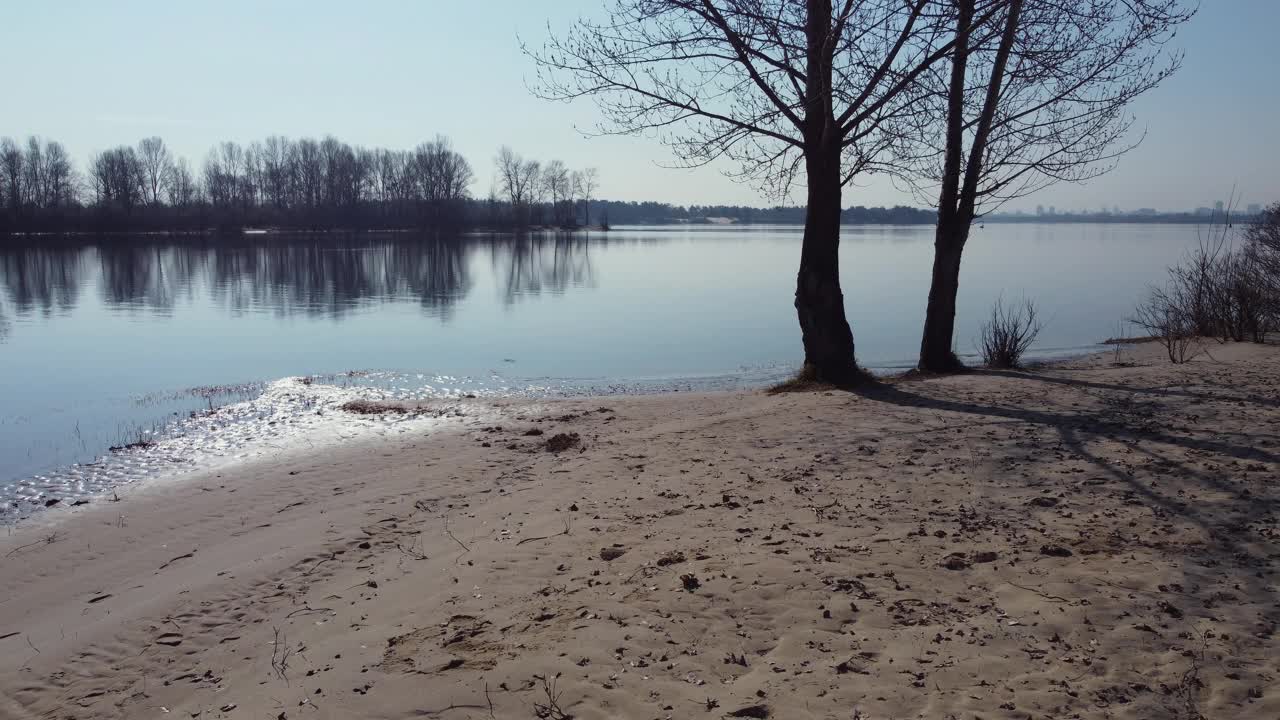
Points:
(1086, 541)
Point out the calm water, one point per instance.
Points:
(102, 344)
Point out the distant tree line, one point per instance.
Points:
(1173, 218)
(326, 184)
(277, 182)
(654, 213)
(309, 184)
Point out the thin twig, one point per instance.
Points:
(452, 706)
(305, 610)
(455, 539)
(332, 556)
(545, 537)
(1044, 595)
(49, 539)
(172, 561)
(409, 551)
(279, 657)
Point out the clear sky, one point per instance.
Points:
(391, 73)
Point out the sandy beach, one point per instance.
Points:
(1089, 540)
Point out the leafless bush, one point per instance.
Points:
(1262, 247)
(549, 708)
(1219, 291)
(1197, 284)
(1165, 316)
(1246, 300)
(1008, 333)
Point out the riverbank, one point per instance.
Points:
(1087, 540)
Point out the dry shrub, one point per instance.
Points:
(1008, 333)
(1164, 315)
(563, 441)
(1219, 291)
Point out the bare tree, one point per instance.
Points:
(275, 170)
(11, 170)
(308, 173)
(155, 160)
(118, 179)
(180, 184)
(439, 180)
(1042, 101)
(33, 173)
(779, 87)
(58, 176)
(252, 176)
(576, 182)
(555, 179)
(589, 182)
(520, 180)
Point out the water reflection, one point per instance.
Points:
(331, 278)
(42, 279)
(149, 277)
(326, 276)
(532, 265)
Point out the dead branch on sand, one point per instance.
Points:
(280, 655)
(546, 537)
(49, 539)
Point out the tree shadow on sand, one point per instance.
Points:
(1236, 508)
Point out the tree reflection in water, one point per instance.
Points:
(312, 275)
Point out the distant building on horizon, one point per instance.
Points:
(1254, 209)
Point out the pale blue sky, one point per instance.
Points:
(393, 73)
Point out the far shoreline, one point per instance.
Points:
(1175, 219)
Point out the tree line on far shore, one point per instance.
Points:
(303, 184)
(309, 184)
(327, 184)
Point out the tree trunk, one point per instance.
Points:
(954, 216)
(828, 341)
(936, 352)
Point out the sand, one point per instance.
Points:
(1087, 540)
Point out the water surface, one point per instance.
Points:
(123, 339)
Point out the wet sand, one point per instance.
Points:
(1088, 540)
